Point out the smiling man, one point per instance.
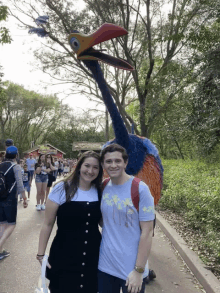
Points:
(127, 232)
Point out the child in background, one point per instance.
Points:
(27, 180)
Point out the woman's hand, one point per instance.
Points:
(40, 259)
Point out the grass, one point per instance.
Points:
(192, 190)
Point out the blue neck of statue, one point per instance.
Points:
(120, 130)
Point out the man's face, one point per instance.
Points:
(114, 164)
(31, 156)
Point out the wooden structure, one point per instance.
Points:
(83, 146)
(44, 149)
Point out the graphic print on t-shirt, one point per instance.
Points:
(123, 210)
(25, 177)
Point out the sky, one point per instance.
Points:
(16, 59)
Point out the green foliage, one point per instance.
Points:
(5, 37)
(192, 189)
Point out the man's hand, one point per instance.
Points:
(134, 282)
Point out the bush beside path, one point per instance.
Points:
(191, 204)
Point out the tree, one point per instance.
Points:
(81, 127)
(205, 116)
(27, 116)
(5, 37)
(157, 46)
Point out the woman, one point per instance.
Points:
(41, 179)
(75, 201)
(51, 174)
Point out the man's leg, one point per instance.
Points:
(2, 228)
(7, 232)
(108, 283)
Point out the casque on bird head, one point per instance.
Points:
(83, 44)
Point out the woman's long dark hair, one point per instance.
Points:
(39, 161)
(71, 183)
(51, 158)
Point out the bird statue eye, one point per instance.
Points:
(74, 44)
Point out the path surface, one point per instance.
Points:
(20, 271)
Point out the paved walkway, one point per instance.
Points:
(19, 272)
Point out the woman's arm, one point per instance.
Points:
(49, 220)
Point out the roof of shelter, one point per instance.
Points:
(43, 145)
(87, 146)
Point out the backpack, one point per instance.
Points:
(4, 192)
(134, 193)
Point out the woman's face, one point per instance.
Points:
(48, 160)
(89, 169)
(42, 158)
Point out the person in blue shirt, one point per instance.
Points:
(31, 165)
(127, 233)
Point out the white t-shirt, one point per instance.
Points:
(58, 194)
(121, 229)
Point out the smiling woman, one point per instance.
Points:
(75, 202)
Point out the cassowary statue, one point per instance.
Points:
(144, 161)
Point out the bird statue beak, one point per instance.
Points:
(83, 44)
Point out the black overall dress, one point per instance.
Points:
(74, 252)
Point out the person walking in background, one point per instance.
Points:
(66, 169)
(27, 180)
(11, 173)
(51, 174)
(56, 164)
(31, 166)
(60, 168)
(75, 202)
(127, 228)
(41, 179)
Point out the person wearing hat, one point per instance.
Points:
(31, 165)
(8, 142)
(8, 206)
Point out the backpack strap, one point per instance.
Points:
(12, 165)
(135, 192)
(105, 182)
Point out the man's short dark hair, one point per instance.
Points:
(10, 156)
(114, 147)
(9, 142)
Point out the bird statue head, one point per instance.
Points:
(83, 44)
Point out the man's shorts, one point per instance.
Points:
(27, 186)
(31, 173)
(8, 210)
(41, 178)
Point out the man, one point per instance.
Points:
(127, 233)
(8, 142)
(31, 166)
(8, 207)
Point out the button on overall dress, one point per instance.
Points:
(74, 252)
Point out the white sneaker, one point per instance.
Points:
(38, 208)
(43, 207)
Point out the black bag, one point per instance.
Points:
(4, 192)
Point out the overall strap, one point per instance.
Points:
(135, 192)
